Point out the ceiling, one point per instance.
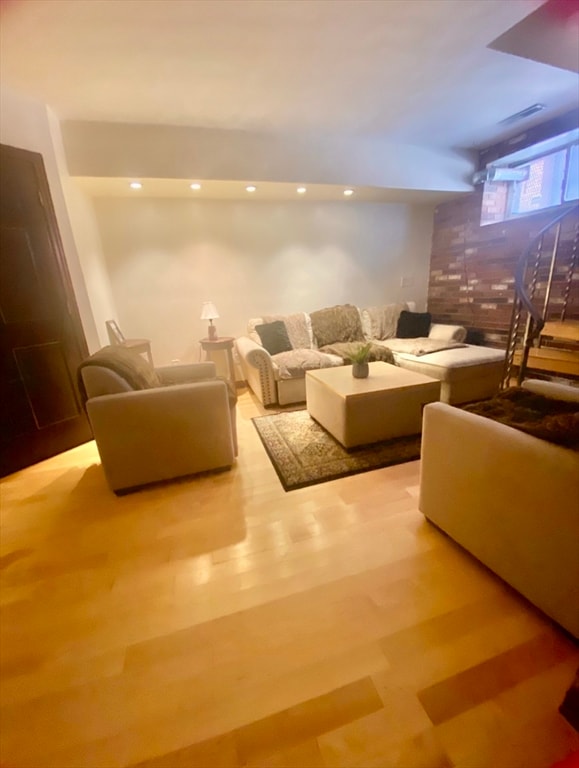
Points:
(417, 71)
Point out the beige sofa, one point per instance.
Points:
(509, 498)
(466, 372)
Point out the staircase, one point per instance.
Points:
(544, 329)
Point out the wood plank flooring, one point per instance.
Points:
(221, 622)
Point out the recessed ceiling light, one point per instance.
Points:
(301, 190)
(348, 192)
(250, 188)
(135, 185)
(195, 186)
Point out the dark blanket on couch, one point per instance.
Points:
(554, 420)
(345, 350)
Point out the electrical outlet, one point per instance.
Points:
(405, 281)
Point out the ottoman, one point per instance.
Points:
(361, 411)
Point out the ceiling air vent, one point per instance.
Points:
(524, 113)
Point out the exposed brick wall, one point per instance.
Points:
(494, 202)
(472, 267)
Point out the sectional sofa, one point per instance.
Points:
(277, 350)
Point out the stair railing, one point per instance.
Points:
(569, 281)
(523, 300)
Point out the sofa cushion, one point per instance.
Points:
(381, 322)
(298, 326)
(274, 337)
(294, 364)
(412, 325)
(337, 324)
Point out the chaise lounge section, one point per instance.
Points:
(279, 349)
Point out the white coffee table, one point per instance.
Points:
(387, 404)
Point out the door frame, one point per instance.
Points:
(24, 450)
(37, 160)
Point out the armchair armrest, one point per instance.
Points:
(258, 369)
(181, 374)
(445, 332)
(155, 434)
(552, 389)
(251, 351)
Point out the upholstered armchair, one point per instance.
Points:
(153, 424)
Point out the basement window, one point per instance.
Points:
(543, 176)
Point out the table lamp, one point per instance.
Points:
(209, 312)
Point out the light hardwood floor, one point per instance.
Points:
(220, 621)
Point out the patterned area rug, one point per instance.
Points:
(303, 453)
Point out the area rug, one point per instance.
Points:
(303, 453)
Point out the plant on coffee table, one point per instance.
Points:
(359, 359)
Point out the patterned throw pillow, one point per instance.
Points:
(380, 322)
(337, 324)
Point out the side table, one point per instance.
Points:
(223, 344)
(142, 346)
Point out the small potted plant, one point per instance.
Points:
(359, 359)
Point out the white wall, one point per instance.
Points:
(152, 262)
(87, 239)
(28, 124)
(166, 256)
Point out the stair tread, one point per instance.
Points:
(549, 359)
(548, 353)
(562, 329)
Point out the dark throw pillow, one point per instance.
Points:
(274, 337)
(413, 325)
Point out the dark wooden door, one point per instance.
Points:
(41, 337)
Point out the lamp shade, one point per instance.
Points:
(209, 311)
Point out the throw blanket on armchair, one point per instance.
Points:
(126, 363)
(135, 370)
(556, 421)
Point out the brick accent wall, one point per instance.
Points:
(472, 268)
